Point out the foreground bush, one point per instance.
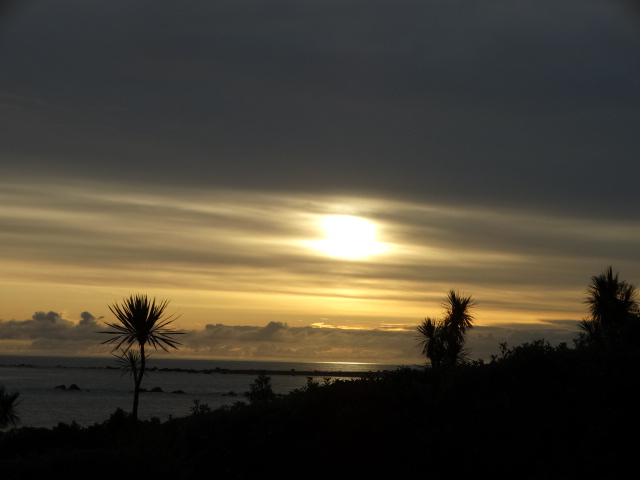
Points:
(535, 411)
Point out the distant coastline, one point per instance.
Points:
(292, 372)
(213, 366)
(229, 371)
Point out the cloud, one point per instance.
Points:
(51, 334)
(279, 341)
(461, 103)
(245, 255)
(88, 320)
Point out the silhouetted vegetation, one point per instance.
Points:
(8, 402)
(260, 391)
(199, 408)
(614, 323)
(141, 323)
(533, 411)
(443, 340)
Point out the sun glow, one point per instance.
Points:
(349, 237)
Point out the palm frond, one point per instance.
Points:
(457, 311)
(130, 362)
(141, 321)
(433, 340)
(8, 402)
(611, 301)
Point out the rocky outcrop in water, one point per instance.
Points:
(72, 387)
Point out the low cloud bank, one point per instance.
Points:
(51, 333)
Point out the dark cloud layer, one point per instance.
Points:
(531, 104)
(50, 333)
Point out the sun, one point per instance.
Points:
(349, 237)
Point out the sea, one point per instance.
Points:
(46, 398)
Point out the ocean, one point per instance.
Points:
(103, 388)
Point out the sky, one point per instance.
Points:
(306, 180)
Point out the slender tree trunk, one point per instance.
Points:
(138, 381)
(136, 394)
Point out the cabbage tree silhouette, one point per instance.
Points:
(613, 308)
(443, 340)
(142, 323)
(8, 402)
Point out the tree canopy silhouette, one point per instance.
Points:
(142, 322)
(443, 340)
(613, 308)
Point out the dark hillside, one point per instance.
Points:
(536, 411)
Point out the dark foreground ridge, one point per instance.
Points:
(535, 412)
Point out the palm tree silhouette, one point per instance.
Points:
(443, 340)
(433, 342)
(8, 402)
(613, 308)
(142, 323)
